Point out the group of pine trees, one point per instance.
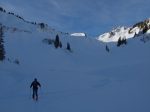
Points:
(2, 50)
(3, 10)
(57, 43)
(121, 41)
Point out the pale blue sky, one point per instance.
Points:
(91, 16)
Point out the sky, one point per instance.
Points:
(93, 17)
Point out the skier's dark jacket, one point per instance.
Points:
(35, 84)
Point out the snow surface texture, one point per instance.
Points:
(88, 79)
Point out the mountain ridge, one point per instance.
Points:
(138, 29)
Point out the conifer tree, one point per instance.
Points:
(68, 47)
(145, 29)
(107, 49)
(124, 41)
(119, 42)
(2, 51)
(57, 42)
(60, 44)
(42, 25)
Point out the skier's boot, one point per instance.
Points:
(36, 98)
(33, 96)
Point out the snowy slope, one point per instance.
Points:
(88, 79)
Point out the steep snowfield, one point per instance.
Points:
(88, 79)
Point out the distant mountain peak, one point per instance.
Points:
(137, 29)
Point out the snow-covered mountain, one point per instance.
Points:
(91, 77)
(139, 29)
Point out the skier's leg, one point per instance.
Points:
(33, 95)
(36, 93)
